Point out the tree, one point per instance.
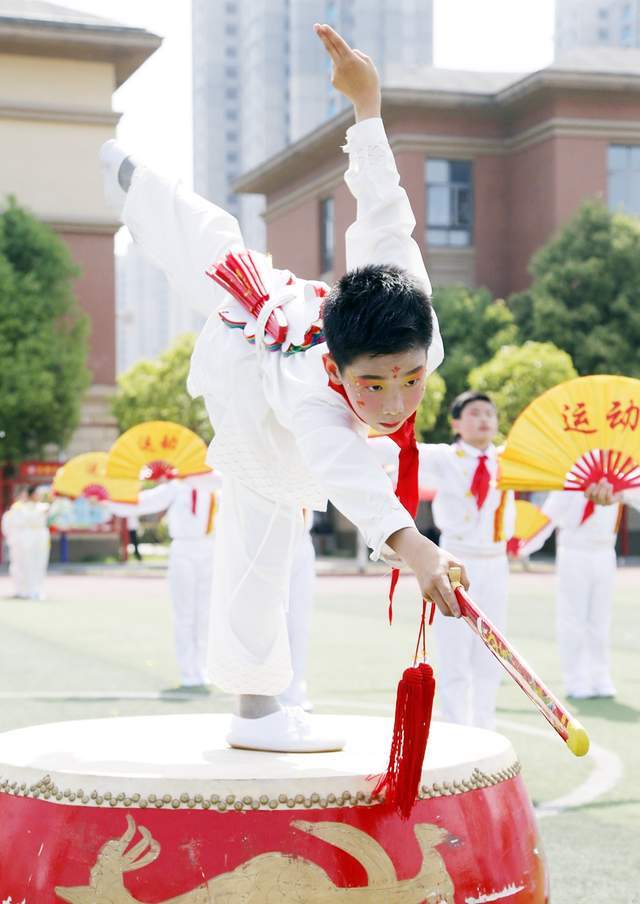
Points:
(157, 390)
(430, 405)
(43, 338)
(584, 297)
(474, 326)
(517, 375)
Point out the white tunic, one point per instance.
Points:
(280, 430)
(448, 469)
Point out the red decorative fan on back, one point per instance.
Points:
(240, 277)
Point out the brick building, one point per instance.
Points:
(494, 164)
(58, 71)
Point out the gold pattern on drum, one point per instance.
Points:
(277, 878)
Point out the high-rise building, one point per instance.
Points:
(260, 79)
(596, 23)
(149, 315)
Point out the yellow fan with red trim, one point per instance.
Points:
(86, 475)
(576, 434)
(530, 519)
(157, 449)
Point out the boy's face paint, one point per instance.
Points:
(477, 425)
(384, 390)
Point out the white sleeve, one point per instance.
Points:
(182, 233)
(382, 232)
(158, 499)
(433, 457)
(346, 468)
(537, 541)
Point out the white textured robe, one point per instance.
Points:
(284, 439)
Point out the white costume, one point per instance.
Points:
(191, 504)
(303, 575)
(25, 527)
(585, 574)
(468, 675)
(284, 439)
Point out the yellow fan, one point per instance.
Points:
(157, 449)
(529, 520)
(86, 475)
(575, 434)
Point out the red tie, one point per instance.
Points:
(481, 482)
(408, 470)
(194, 501)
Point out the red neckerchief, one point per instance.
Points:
(481, 481)
(408, 469)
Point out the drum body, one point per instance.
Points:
(158, 809)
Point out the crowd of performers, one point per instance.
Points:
(292, 400)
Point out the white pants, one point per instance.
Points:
(585, 579)
(190, 576)
(255, 543)
(468, 675)
(303, 575)
(28, 561)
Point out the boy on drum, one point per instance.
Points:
(292, 405)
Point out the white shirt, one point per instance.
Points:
(449, 470)
(190, 503)
(306, 445)
(565, 508)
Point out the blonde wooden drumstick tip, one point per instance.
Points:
(577, 738)
(455, 574)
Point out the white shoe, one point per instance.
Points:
(296, 695)
(289, 730)
(111, 156)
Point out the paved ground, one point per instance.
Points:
(101, 646)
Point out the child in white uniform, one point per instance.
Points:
(291, 424)
(474, 519)
(585, 576)
(191, 504)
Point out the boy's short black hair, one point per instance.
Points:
(376, 310)
(466, 398)
(31, 490)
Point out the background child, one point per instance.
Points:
(474, 519)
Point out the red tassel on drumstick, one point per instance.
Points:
(414, 704)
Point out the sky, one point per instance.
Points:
(498, 35)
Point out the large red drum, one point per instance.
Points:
(158, 809)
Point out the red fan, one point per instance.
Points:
(238, 274)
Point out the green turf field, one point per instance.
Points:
(101, 646)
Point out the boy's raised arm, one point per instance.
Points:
(382, 231)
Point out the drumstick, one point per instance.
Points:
(567, 726)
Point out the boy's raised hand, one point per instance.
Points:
(354, 73)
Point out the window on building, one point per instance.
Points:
(626, 35)
(232, 157)
(623, 178)
(603, 34)
(231, 30)
(327, 234)
(231, 93)
(626, 12)
(231, 136)
(231, 52)
(231, 71)
(603, 13)
(449, 202)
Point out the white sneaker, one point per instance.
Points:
(296, 695)
(290, 730)
(111, 156)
